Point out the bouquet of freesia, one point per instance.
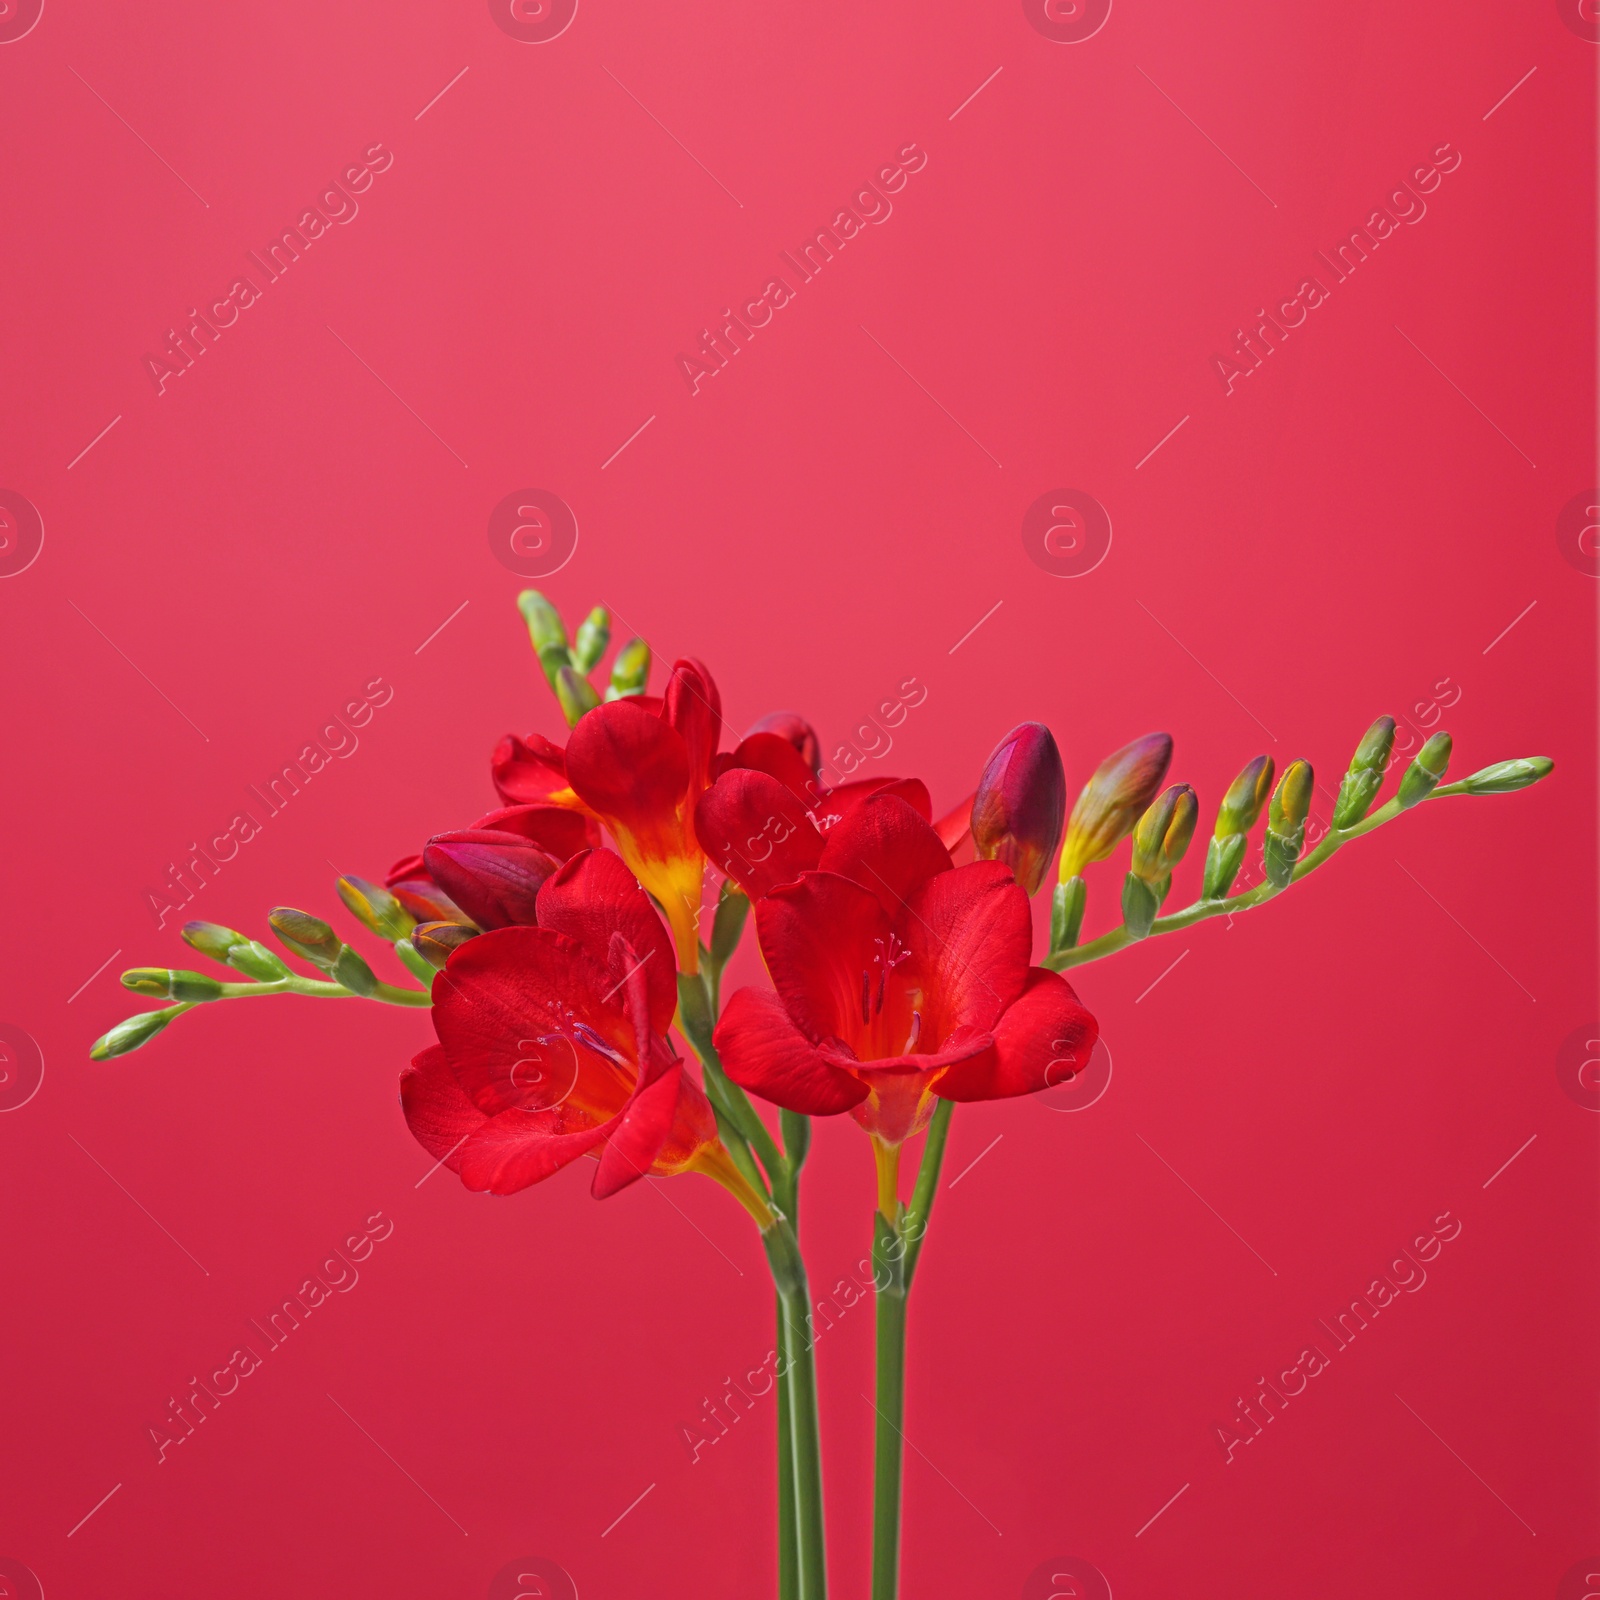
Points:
(563, 939)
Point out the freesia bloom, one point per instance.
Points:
(638, 765)
(1021, 804)
(900, 979)
(553, 1045)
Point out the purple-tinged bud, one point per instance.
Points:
(1021, 804)
(792, 726)
(494, 877)
(1163, 833)
(305, 935)
(375, 908)
(1113, 800)
(435, 940)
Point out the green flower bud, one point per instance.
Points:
(171, 985)
(1286, 823)
(630, 672)
(1163, 834)
(1423, 775)
(1246, 795)
(129, 1035)
(728, 924)
(255, 960)
(1112, 800)
(212, 939)
(376, 909)
(1140, 903)
(575, 693)
(353, 972)
(1224, 857)
(305, 935)
(413, 960)
(1066, 913)
(546, 631)
(235, 950)
(435, 940)
(1360, 785)
(1506, 777)
(594, 634)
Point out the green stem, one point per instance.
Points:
(388, 993)
(794, 1298)
(895, 1250)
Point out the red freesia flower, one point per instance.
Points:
(900, 978)
(638, 765)
(766, 818)
(553, 1045)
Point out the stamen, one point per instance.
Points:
(916, 1033)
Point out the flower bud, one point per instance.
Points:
(1286, 823)
(1140, 903)
(1506, 777)
(494, 877)
(305, 935)
(1224, 857)
(235, 950)
(630, 671)
(792, 726)
(728, 923)
(169, 984)
(413, 960)
(1246, 795)
(1021, 804)
(594, 634)
(1360, 785)
(211, 939)
(1066, 913)
(353, 972)
(575, 694)
(1113, 799)
(376, 909)
(130, 1034)
(1424, 773)
(546, 631)
(434, 941)
(1163, 834)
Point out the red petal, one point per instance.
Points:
(494, 877)
(524, 1015)
(594, 897)
(635, 1139)
(694, 708)
(1040, 1040)
(436, 1107)
(527, 770)
(557, 830)
(769, 753)
(886, 847)
(955, 827)
(837, 804)
(764, 1052)
(824, 939)
(633, 769)
(756, 830)
(518, 1148)
(970, 935)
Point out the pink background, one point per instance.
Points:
(291, 518)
